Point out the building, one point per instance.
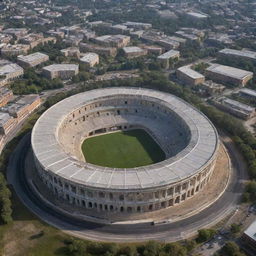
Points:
(165, 58)
(90, 59)
(152, 49)
(189, 76)
(197, 15)
(32, 60)
(105, 51)
(23, 106)
(249, 237)
(5, 96)
(14, 50)
(62, 71)
(248, 93)
(17, 32)
(137, 25)
(211, 88)
(7, 123)
(100, 190)
(232, 53)
(10, 72)
(71, 52)
(226, 74)
(118, 41)
(134, 52)
(235, 108)
(35, 39)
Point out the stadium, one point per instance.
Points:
(124, 150)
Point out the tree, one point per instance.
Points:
(175, 249)
(231, 249)
(205, 235)
(235, 228)
(151, 248)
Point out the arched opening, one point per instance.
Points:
(121, 209)
(138, 209)
(90, 204)
(177, 200)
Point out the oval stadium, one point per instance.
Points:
(124, 150)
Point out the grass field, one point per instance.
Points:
(122, 149)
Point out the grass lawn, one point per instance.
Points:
(126, 149)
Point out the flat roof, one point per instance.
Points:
(239, 53)
(251, 231)
(32, 57)
(61, 67)
(89, 56)
(10, 68)
(187, 70)
(229, 71)
(248, 92)
(169, 54)
(238, 105)
(131, 49)
(198, 15)
(201, 149)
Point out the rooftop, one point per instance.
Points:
(200, 150)
(32, 57)
(243, 53)
(131, 49)
(229, 71)
(61, 67)
(169, 54)
(248, 92)
(190, 72)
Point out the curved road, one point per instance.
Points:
(123, 232)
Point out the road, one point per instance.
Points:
(122, 232)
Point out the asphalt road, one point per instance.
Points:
(133, 232)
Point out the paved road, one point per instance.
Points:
(123, 232)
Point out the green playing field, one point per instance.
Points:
(122, 149)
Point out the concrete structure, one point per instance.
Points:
(249, 237)
(197, 15)
(23, 106)
(137, 25)
(10, 72)
(14, 50)
(189, 76)
(226, 74)
(248, 93)
(235, 108)
(187, 137)
(5, 96)
(35, 39)
(232, 53)
(62, 71)
(7, 122)
(106, 51)
(165, 58)
(117, 41)
(90, 59)
(71, 52)
(18, 32)
(32, 60)
(134, 52)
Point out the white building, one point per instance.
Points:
(134, 52)
(10, 72)
(165, 58)
(62, 71)
(90, 59)
(32, 60)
